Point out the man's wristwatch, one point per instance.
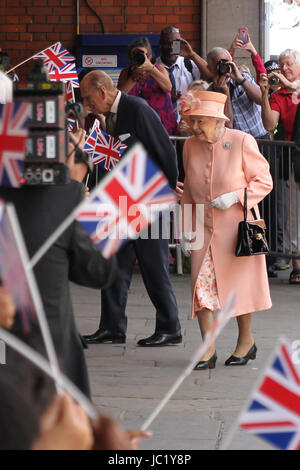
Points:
(294, 85)
(241, 82)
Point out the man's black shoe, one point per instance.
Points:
(161, 339)
(105, 336)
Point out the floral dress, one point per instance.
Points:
(160, 101)
(206, 294)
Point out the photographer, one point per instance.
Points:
(282, 105)
(149, 81)
(243, 94)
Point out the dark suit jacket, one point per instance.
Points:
(72, 257)
(137, 118)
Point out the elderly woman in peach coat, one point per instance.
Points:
(219, 163)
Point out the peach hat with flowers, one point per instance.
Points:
(202, 103)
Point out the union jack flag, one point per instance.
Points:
(104, 149)
(71, 123)
(12, 272)
(65, 74)
(69, 93)
(125, 202)
(274, 410)
(55, 57)
(14, 121)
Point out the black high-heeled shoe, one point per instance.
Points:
(241, 361)
(210, 364)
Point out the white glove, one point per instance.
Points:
(185, 243)
(225, 201)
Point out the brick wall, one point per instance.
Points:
(28, 26)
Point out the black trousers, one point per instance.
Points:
(153, 257)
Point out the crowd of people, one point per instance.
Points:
(222, 110)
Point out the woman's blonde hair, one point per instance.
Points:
(201, 85)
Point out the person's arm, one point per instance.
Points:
(87, 266)
(257, 173)
(161, 76)
(186, 50)
(269, 116)
(253, 91)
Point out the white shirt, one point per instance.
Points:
(182, 76)
(114, 108)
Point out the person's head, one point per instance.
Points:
(25, 394)
(141, 44)
(244, 69)
(213, 58)
(167, 36)
(289, 63)
(98, 92)
(200, 85)
(203, 111)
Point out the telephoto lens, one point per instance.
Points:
(273, 81)
(138, 57)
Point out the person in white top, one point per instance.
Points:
(183, 68)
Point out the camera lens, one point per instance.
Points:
(138, 58)
(223, 67)
(273, 81)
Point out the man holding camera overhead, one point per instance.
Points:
(243, 105)
(183, 64)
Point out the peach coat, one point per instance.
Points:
(231, 164)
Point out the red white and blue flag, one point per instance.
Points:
(125, 202)
(105, 150)
(69, 93)
(55, 57)
(65, 74)
(71, 123)
(273, 413)
(12, 272)
(14, 121)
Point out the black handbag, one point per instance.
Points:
(251, 238)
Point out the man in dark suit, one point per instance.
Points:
(132, 118)
(72, 257)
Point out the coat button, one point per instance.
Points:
(209, 164)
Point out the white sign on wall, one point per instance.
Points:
(99, 61)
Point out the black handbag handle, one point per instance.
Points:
(245, 207)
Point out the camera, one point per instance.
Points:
(47, 141)
(274, 81)
(138, 57)
(223, 67)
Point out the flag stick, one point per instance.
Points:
(228, 309)
(33, 356)
(26, 60)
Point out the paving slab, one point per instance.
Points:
(129, 381)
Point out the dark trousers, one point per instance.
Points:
(153, 257)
